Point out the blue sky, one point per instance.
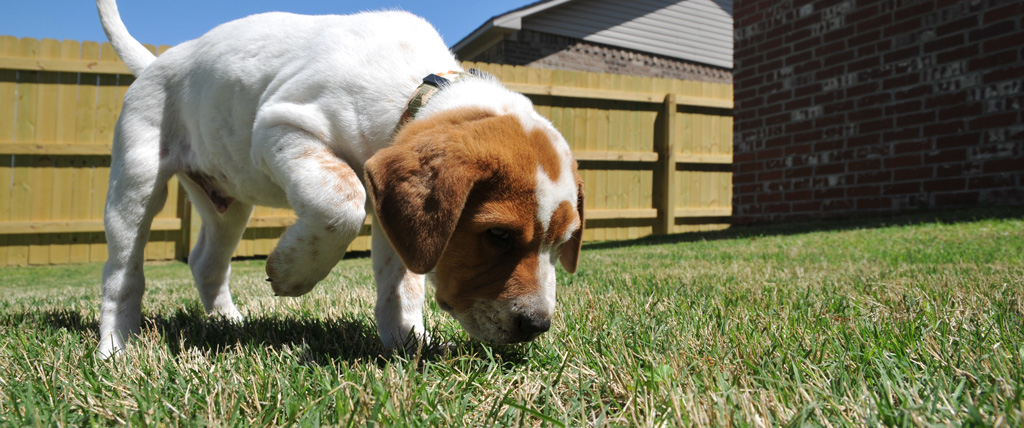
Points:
(169, 22)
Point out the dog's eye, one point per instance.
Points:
(500, 237)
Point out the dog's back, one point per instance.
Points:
(266, 67)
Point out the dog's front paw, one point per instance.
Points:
(288, 278)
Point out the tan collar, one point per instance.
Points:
(431, 85)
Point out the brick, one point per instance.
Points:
(1009, 41)
(777, 208)
(798, 104)
(867, 50)
(943, 128)
(1005, 73)
(837, 205)
(911, 147)
(945, 156)
(994, 121)
(903, 107)
(874, 99)
(799, 149)
(830, 48)
(1003, 165)
(999, 13)
(864, 27)
(802, 195)
(946, 42)
(945, 185)
(944, 100)
(957, 169)
(807, 44)
(902, 54)
(798, 172)
(957, 199)
(861, 13)
(808, 206)
(743, 157)
(829, 169)
(914, 11)
(830, 193)
(865, 114)
(913, 91)
(902, 161)
(863, 64)
(956, 140)
(829, 72)
(902, 80)
(920, 173)
(863, 191)
(992, 30)
(957, 54)
(902, 133)
(901, 188)
(864, 165)
(767, 198)
(993, 60)
(748, 167)
(864, 140)
(902, 27)
(960, 111)
(874, 177)
(838, 58)
(779, 97)
(885, 123)
(866, 88)
(874, 203)
(958, 25)
(990, 182)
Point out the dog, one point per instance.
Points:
(333, 117)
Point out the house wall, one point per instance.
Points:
(693, 30)
(534, 49)
(851, 107)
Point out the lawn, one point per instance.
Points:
(902, 321)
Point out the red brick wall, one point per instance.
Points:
(858, 106)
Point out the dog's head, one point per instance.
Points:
(489, 203)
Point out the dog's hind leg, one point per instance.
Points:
(138, 190)
(329, 201)
(210, 258)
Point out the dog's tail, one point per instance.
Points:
(134, 55)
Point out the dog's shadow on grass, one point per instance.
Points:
(313, 340)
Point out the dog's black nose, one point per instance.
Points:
(531, 327)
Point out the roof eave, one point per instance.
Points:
(502, 25)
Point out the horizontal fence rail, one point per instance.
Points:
(655, 154)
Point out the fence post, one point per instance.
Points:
(664, 173)
(183, 244)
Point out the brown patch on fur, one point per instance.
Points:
(221, 200)
(561, 220)
(569, 253)
(346, 181)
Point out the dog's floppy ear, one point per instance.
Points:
(419, 191)
(569, 254)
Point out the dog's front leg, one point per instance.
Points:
(328, 199)
(399, 307)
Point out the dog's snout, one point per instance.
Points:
(531, 327)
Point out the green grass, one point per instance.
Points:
(918, 322)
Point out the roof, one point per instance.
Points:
(693, 30)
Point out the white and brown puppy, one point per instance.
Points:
(307, 112)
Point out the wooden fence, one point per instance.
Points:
(655, 154)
